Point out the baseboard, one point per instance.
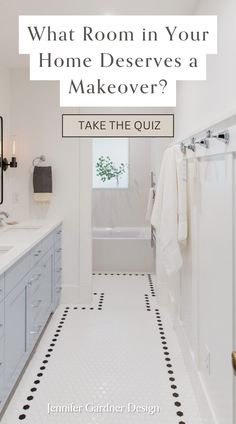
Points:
(204, 402)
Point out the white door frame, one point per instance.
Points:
(85, 221)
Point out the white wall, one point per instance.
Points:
(158, 146)
(126, 207)
(202, 103)
(5, 113)
(36, 121)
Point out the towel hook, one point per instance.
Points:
(41, 158)
(203, 142)
(221, 136)
(191, 146)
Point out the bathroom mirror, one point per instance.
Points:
(1, 160)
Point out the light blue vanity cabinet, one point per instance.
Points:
(28, 296)
(39, 297)
(57, 266)
(15, 333)
(1, 350)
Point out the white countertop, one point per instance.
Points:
(21, 240)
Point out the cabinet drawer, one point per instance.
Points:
(34, 331)
(57, 235)
(36, 254)
(34, 280)
(58, 254)
(16, 273)
(1, 320)
(15, 332)
(58, 273)
(57, 294)
(1, 288)
(36, 302)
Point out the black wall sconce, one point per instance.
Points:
(12, 163)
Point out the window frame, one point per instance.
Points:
(128, 179)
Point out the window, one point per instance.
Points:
(110, 163)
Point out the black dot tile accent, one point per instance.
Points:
(100, 301)
(98, 304)
(169, 366)
(43, 367)
(147, 302)
(180, 413)
(176, 395)
(151, 285)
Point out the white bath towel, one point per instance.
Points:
(151, 197)
(165, 213)
(181, 169)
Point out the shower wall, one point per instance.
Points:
(126, 207)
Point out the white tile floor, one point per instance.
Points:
(117, 355)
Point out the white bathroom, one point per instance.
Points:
(106, 315)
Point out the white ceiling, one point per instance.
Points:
(11, 9)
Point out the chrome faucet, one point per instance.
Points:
(1, 218)
(5, 214)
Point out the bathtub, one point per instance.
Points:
(122, 249)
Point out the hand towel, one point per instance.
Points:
(151, 197)
(165, 213)
(42, 183)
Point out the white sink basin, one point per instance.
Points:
(20, 229)
(4, 249)
(20, 232)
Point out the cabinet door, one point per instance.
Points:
(15, 332)
(47, 282)
(1, 370)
